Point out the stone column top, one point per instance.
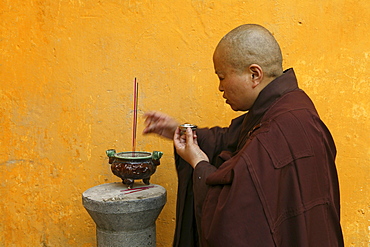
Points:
(116, 197)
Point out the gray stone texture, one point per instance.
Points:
(125, 217)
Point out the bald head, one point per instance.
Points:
(251, 44)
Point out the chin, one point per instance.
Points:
(237, 109)
(234, 108)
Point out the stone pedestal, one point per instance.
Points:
(125, 217)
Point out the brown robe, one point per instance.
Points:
(271, 179)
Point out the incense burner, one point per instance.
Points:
(134, 165)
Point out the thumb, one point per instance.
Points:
(189, 136)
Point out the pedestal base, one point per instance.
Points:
(138, 238)
(125, 217)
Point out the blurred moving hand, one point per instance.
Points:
(160, 123)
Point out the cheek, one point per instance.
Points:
(233, 90)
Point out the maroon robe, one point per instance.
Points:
(271, 179)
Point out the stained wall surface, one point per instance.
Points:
(66, 84)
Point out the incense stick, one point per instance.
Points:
(135, 117)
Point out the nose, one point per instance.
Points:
(220, 88)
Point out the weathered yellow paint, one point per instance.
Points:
(67, 69)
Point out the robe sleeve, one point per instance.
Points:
(212, 141)
(200, 188)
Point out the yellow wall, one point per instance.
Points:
(67, 69)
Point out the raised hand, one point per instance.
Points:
(160, 123)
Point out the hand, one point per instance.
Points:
(187, 147)
(160, 123)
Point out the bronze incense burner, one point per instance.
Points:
(134, 165)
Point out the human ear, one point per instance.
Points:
(256, 74)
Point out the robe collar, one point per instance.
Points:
(275, 89)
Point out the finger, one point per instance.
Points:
(154, 124)
(180, 137)
(153, 115)
(177, 133)
(195, 137)
(189, 136)
(183, 138)
(148, 126)
(149, 115)
(177, 140)
(149, 120)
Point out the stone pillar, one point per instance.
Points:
(125, 217)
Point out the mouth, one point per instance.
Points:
(226, 100)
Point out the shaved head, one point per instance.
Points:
(251, 44)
